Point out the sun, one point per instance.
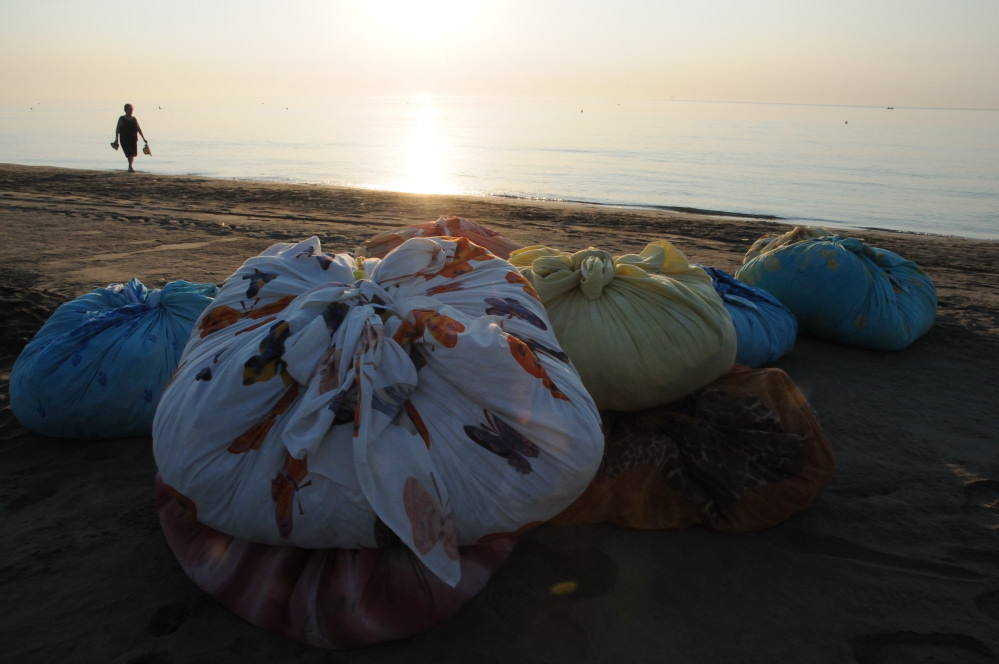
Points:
(422, 18)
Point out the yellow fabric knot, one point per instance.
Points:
(596, 270)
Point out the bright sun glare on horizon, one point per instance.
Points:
(425, 157)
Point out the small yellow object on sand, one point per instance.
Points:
(564, 588)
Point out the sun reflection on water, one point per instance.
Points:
(426, 166)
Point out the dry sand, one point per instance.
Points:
(897, 559)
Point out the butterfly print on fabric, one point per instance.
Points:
(511, 308)
(274, 307)
(325, 260)
(528, 359)
(442, 328)
(334, 315)
(284, 489)
(223, 316)
(257, 281)
(310, 251)
(501, 439)
(254, 436)
(445, 288)
(465, 252)
(268, 363)
(206, 373)
(405, 333)
(217, 319)
(538, 347)
(343, 405)
(417, 422)
(518, 278)
(251, 328)
(429, 526)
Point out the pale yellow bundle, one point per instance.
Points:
(642, 329)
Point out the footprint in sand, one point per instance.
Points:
(168, 619)
(915, 647)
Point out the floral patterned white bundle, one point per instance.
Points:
(324, 402)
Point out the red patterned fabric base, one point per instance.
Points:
(379, 245)
(331, 598)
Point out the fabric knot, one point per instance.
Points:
(596, 271)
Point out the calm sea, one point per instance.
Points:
(923, 170)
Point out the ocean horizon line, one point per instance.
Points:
(539, 97)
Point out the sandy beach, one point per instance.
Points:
(896, 560)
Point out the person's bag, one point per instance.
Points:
(114, 144)
(145, 150)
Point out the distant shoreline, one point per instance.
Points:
(517, 200)
(837, 226)
(55, 177)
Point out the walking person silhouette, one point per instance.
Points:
(127, 131)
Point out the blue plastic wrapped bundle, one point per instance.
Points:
(765, 329)
(844, 291)
(98, 366)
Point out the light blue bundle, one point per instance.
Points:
(844, 291)
(98, 366)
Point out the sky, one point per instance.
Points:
(925, 53)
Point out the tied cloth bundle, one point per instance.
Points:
(146, 150)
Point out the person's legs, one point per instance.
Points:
(130, 151)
